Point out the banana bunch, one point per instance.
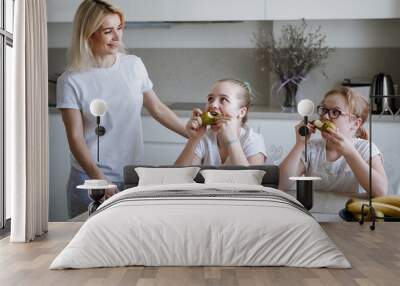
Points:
(384, 206)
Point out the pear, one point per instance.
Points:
(328, 125)
(318, 124)
(209, 117)
(324, 125)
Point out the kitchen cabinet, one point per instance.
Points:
(169, 10)
(191, 10)
(61, 10)
(278, 137)
(163, 146)
(386, 136)
(59, 167)
(331, 9)
(239, 10)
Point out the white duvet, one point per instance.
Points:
(207, 230)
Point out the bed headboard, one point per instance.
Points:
(270, 179)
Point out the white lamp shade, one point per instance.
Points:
(305, 107)
(98, 107)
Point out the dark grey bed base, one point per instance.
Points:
(270, 179)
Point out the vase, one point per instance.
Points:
(290, 91)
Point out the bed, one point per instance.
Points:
(201, 224)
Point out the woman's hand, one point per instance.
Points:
(228, 127)
(301, 139)
(340, 143)
(194, 126)
(110, 192)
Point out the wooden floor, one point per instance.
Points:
(374, 255)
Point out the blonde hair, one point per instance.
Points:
(244, 95)
(88, 19)
(358, 106)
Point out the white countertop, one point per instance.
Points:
(184, 109)
(256, 112)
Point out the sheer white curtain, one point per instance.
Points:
(27, 124)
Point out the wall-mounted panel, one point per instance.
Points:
(169, 10)
(331, 9)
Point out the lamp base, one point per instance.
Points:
(304, 193)
(304, 131)
(96, 195)
(373, 215)
(304, 190)
(100, 130)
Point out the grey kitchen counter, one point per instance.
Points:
(53, 109)
(184, 109)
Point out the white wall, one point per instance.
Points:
(353, 33)
(169, 10)
(182, 35)
(340, 33)
(331, 9)
(364, 48)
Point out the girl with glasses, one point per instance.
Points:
(341, 156)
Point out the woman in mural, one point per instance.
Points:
(99, 69)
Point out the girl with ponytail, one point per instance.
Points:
(341, 156)
(228, 140)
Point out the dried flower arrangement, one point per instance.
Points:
(293, 56)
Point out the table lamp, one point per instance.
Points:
(98, 108)
(97, 188)
(96, 191)
(304, 192)
(305, 108)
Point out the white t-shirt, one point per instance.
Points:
(207, 149)
(121, 86)
(336, 176)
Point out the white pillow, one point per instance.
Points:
(249, 177)
(164, 176)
